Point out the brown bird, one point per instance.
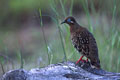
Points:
(84, 42)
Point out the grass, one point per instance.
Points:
(1, 63)
(47, 47)
(55, 46)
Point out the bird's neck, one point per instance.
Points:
(73, 28)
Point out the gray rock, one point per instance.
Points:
(62, 71)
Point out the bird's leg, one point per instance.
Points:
(79, 59)
(87, 60)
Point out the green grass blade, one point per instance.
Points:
(46, 45)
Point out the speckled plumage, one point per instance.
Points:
(83, 41)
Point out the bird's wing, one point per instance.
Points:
(88, 43)
(80, 40)
(83, 37)
(93, 46)
(93, 51)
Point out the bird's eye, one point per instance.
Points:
(69, 20)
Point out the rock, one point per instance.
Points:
(62, 71)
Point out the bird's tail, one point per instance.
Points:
(96, 63)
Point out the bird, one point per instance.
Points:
(84, 42)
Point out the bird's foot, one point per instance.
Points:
(79, 59)
(82, 61)
(87, 60)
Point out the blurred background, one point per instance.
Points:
(31, 35)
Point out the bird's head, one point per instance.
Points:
(69, 20)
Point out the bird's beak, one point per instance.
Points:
(63, 22)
